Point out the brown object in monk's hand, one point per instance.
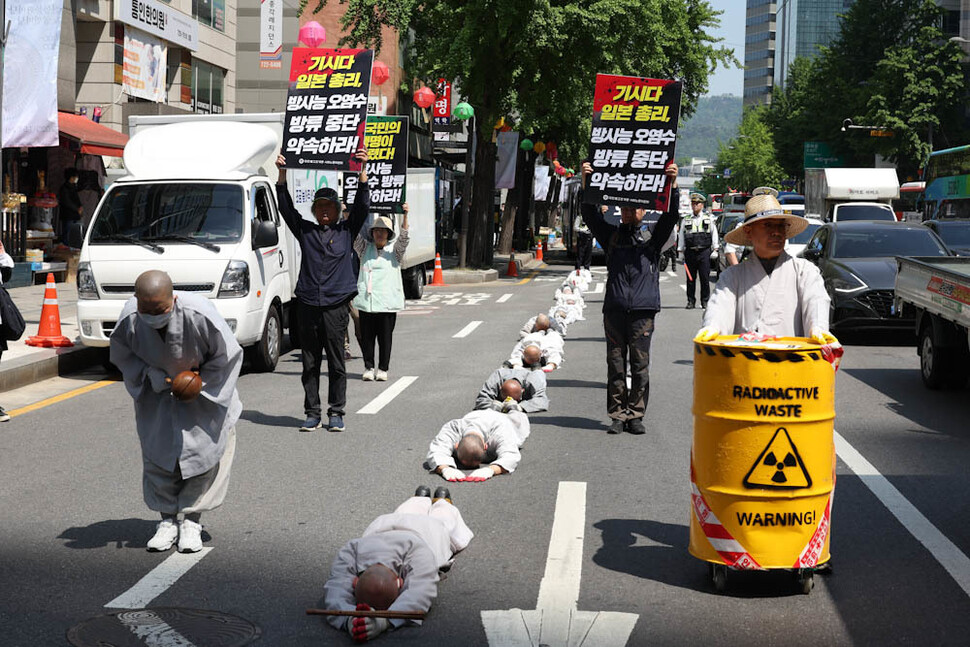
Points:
(186, 386)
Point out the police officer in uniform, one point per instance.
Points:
(698, 238)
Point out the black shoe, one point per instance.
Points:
(691, 305)
(635, 426)
(423, 490)
(615, 427)
(441, 492)
(704, 304)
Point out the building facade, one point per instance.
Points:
(802, 27)
(759, 51)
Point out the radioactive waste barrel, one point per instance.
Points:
(763, 454)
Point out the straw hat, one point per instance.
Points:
(381, 222)
(764, 207)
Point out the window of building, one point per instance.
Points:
(951, 23)
(208, 86)
(211, 13)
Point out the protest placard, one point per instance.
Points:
(632, 141)
(386, 140)
(326, 108)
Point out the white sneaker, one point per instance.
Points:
(190, 536)
(381, 376)
(165, 535)
(368, 375)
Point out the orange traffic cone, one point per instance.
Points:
(540, 249)
(438, 278)
(512, 271)
(49, 332)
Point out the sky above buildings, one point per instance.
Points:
(730, 81)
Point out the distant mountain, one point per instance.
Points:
(716, 118)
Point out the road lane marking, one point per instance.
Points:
(556, 621)
(154, 631)
(467, 330)
(671, 272)
(158, 580)
(388, 394)
(61, 398)
(504, 298)
(528, 278)
(598, 288)
(951, 558)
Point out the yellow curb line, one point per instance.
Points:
(60, 398)
(528, 278)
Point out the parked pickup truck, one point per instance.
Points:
(939, 291)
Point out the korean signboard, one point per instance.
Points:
(326, 108)
(143, 71)
(386, 140)
(441, 113)
(632, 141)
(271, 34)
(820, 155)
(160, 20)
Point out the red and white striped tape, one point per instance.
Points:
(732, 552)
(813, 549)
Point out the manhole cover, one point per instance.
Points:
(164, 627)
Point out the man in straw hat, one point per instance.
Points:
(770, 293)
(698, 236)
(324, 289)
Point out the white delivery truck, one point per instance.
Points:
(838, 194)
(199, 202)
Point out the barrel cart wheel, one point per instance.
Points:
(806, 580)
(719, 573)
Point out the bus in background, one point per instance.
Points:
(907, 205)
(947, 190)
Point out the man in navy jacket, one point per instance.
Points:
(327, 283)
(632, 301)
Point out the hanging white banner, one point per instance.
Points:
(540, 187)
(145, 63)
(508, 148)
(30, 73)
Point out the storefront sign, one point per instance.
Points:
(632, 141)
(326, 108)
(160, 20)
(442, 104)
(271, 34)
(145, 62)
(30, 73)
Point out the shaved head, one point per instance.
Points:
(378, 586)
(470, 451)
(532, 355)
(542, 322)
(154, 292)
(512, 389)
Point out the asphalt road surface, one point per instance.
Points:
(74, 526)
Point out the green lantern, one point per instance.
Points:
(464, 111)
(526, 144)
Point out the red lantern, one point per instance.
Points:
(312, 34)
(380, 73)
(424, 97)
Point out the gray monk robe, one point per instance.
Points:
(181, 439)
(533, 383)
(415, 541)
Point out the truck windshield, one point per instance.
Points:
(201, 212)
(863, 212)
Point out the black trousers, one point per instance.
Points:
(628, 336)
(584, 250)
(377, 327)
(699, 263)
(322, 328)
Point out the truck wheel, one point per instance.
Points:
(266, 353)
(414, 284)
(932, 359)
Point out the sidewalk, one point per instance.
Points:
(500, 263)
(22, 364)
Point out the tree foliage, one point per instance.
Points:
(750, 157)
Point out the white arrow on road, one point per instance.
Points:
(556, 620)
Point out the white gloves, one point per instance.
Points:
(481, 474)
(452, 474)
(497, 405)
(364, 629)
(511, 405)
(822, 337)
(707, 333)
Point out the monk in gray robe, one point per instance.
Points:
(514, 389)
(187, 446)
(395, 564)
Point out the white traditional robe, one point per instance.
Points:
(502, 433)
(550, 343)
(789, 303)
(529, 326)
(190, 435)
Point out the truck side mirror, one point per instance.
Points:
(265, 234)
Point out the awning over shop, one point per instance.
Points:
(94, 139)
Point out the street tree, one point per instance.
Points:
(537, 59)
(748, 160)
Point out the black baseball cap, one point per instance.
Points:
(326, 193)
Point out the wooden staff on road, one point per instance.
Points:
(369, 613)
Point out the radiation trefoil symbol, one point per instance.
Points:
(779, 466)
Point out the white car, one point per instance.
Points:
(796, 244)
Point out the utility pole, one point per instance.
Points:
(466, 198)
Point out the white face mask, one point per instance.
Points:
(156, 321)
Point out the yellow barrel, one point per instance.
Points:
(763, 454)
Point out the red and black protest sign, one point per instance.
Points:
(632, 141)
(326, 108)
(386, 140)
